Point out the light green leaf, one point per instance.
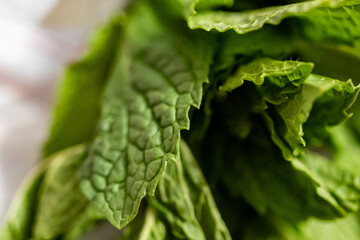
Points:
(51, 205)
(342, 184)
(347, 149)
(20, 220)
(243, 22)
(279, 73)
(63, 211)
(78, 105)
(145, 106)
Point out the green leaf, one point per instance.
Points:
(243, 22)
(339, 25)
(63, 211)
(155, 82)
(185, 200)
(295, 93)
(337, 187)
(347, 149)
(323, 100)
(336, 97)
(253, 168)
(78, 103)
(20, 219)
(278, 73)
(342, 184)
(329, 98)
(51, 205)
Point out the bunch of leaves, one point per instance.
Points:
(270, 151)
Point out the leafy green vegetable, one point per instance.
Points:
(280, 74)
(22, 211)
(62, 209)
(52, 205)
(145, 107)
(272, 144)
(243, 22)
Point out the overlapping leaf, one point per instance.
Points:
(264, 140)
(330, 99)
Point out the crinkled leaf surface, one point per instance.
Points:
(330, 99)
(145, 106)
(294, 92)
(322, 99)
(243, 22)
(279, 73)
(155, 67)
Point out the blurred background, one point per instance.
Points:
(37, 39)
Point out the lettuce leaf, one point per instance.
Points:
(243, 22)
(63, 211)
(51, 205)
(145, 106)
(20, 217)
(275, 157)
